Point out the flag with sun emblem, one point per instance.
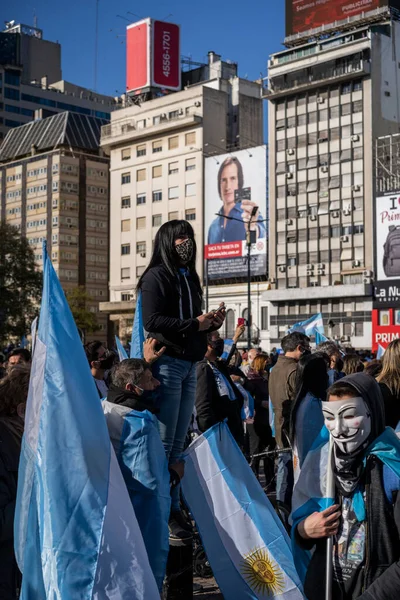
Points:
(247, 546)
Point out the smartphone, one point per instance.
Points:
(242, 194)
(241, 322)
(219, 309)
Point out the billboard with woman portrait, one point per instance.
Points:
(235, 202)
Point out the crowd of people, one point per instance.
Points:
(275, 405)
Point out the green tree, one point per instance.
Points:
(20, 284)
(78, 300)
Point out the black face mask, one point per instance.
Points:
(107, 362)
(185, 251)
(218, 346)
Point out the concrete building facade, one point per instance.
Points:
(54, 186)
(328, 101)
(157, 152)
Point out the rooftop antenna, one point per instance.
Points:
(34, 18)
(96, 41)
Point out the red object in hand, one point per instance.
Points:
(241, 322)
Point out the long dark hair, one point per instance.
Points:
(164, 252)
(311, 376)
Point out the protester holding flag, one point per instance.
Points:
(217, 397)
(13, 394)
(100, 362)
(282, 386)
(389, 382)
(306, 419)
(365, 517)
(171, 299)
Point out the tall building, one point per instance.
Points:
(31, 84)
(329, 99)
(157, 151)
(54, 187)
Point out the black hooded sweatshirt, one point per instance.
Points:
(378, 578)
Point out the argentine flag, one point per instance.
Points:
(311, 326)
(76, 534)
(121, 350)
(247, 545)
(138, 337)
(380, 352)
(144, 466)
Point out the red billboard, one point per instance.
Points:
(304, 15)
(152, 56)
(166, 56)
(385, 327)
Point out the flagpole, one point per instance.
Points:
(330, 493)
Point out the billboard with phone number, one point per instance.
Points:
(305, 15)
(235, 192)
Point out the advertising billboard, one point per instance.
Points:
(387, 251)
(385, 327)
(235, 189)
(304, 15)
(152, 56)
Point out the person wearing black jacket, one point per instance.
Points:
(172, 314)
(365, 519)
(217, 398)
(13, 396)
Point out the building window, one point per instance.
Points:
(126, 297)
(140, 270)
(125, 273)
(141, 223)
(190, 164)
(141, 124)
(157, 196)
(359, 329)
(264, 318)
(190, 214)
(157, 146)
(173, 192)
(156, 120)
(157, 171)
(173, 114)
(125, 178)
(157, 220)
(190, 189)
(173, 215)
(141, 248)
(346, 89)
(141, 175)
(173, 168)
(125, 154)
(190, 138)
(12, 77)
(125, 249)
(11, 94)
(141, 150)
(126, 225)
(140, 199)
(173, 142)
(126, 202)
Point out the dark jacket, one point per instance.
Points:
(257, 386)
(282, 381)
(123, 397)
(170, 307)
(392, 406)
(9, 458)
(379, 578)
(211, 408)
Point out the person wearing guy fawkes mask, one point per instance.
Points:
(100, 361)
(365, 519)
(217, 397)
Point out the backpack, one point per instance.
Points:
(391, 254)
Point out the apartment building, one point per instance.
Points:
(31, 84)
(157, 151)
(54, 186)
(329, 100)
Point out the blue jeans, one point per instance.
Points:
(176, 397)
(284, 479)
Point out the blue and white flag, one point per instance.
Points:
(246, 543)
(309, 422)
(227, 349)
(144, 466)
(138, 336)
(247, 411)
(311, 326)
(380, 352)
(24, 342)
(320, 338)
(33, 334)
(121, 350)
(75, 531)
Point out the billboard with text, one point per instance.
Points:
(235, 192)
(387, 251)
(305, 15)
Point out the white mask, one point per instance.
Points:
(348, 421)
